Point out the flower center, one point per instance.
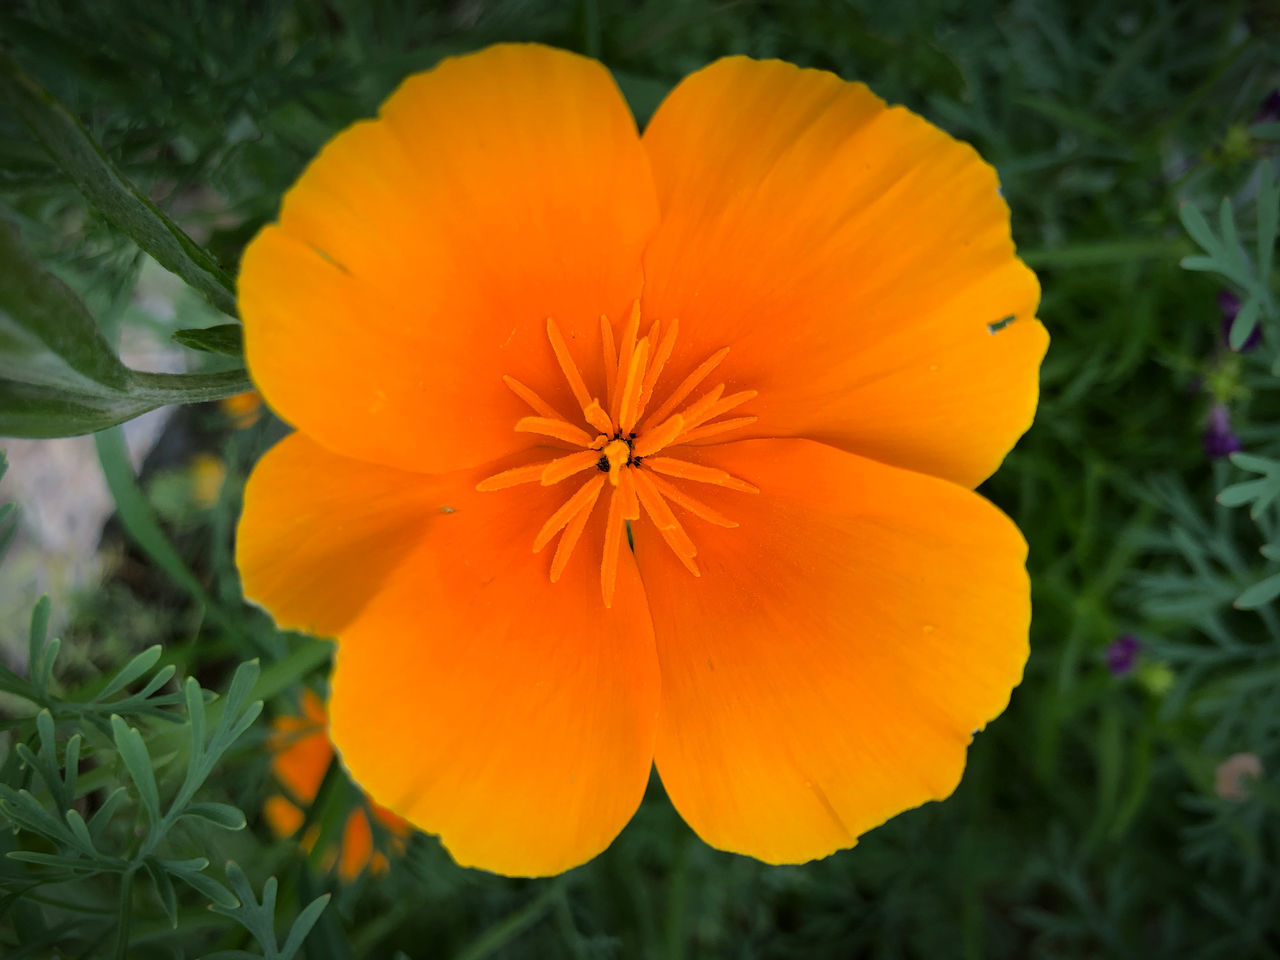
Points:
(622, 440)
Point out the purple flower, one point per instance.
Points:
(1122, 652)
(1230, 305)
(1219, 441)
(1269, 112)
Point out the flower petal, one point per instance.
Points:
(419, 256)
(852, 256)
(512, 716)
(319, 533)
(843, 643)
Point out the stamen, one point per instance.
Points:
(698, 473)
(585, 494)
(613, 532)
(624, 445)
(660, 359)
(666, 522)
(696, 412)
(567, 365)
(572, 534)
(598, 418)
(692, 504)
(687, 385)
(651, 441)
(631, 389)
(564, 467)
(514, 477)
(719, 408)
(715, 429)
(610, 358)
(536, 403)
(554, 428)
(625, 350)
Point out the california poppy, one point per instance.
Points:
(729, 529)
(301, 754)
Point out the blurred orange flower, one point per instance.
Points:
(243, 409)
(302, 753)
(747, 369)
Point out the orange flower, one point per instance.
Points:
(772, 576)
(302, 753)
(243, 409)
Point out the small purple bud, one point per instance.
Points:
(1122, 652)
(1219, 441)
(1269, 112)
(1230, 305)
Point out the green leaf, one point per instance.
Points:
(40, 315)
(1198, 227)
(118, 200)
(55, 860)
(133, 751)
(1244, 323)
(102, 816)
(219, 814)
(1260, 594)
(80, 831)
(58, 376)
(36, 638)
(42, 411)
(226, 339)
(1250, 461)
(1201, 264)
(302, 926)
(131, 671)
(164, 890)
(1268, 215)
(213, 891)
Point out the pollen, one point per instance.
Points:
(633, 450)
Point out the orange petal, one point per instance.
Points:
(510, 715)
(420, 254)
(843, 644)
(852, 256)
(319, 532)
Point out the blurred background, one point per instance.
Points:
(1127, 803)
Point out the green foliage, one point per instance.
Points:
(58, 374)
(42, 796)
(1089, 822)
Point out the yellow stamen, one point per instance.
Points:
(564, 467)
(513, 478)
(625, 351)
(698, 473)
(719, 409)
(624, 439)
(585, 494)
(554, 428)
(610, 358)
(629, 408)
(614, 526)
(687, 386)
(596, 416)
(692, 504)
(572, 534)
(538, 405)
(567, 366)
(660, 358)
(715, 429)
(666, 522)
(651, 441)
